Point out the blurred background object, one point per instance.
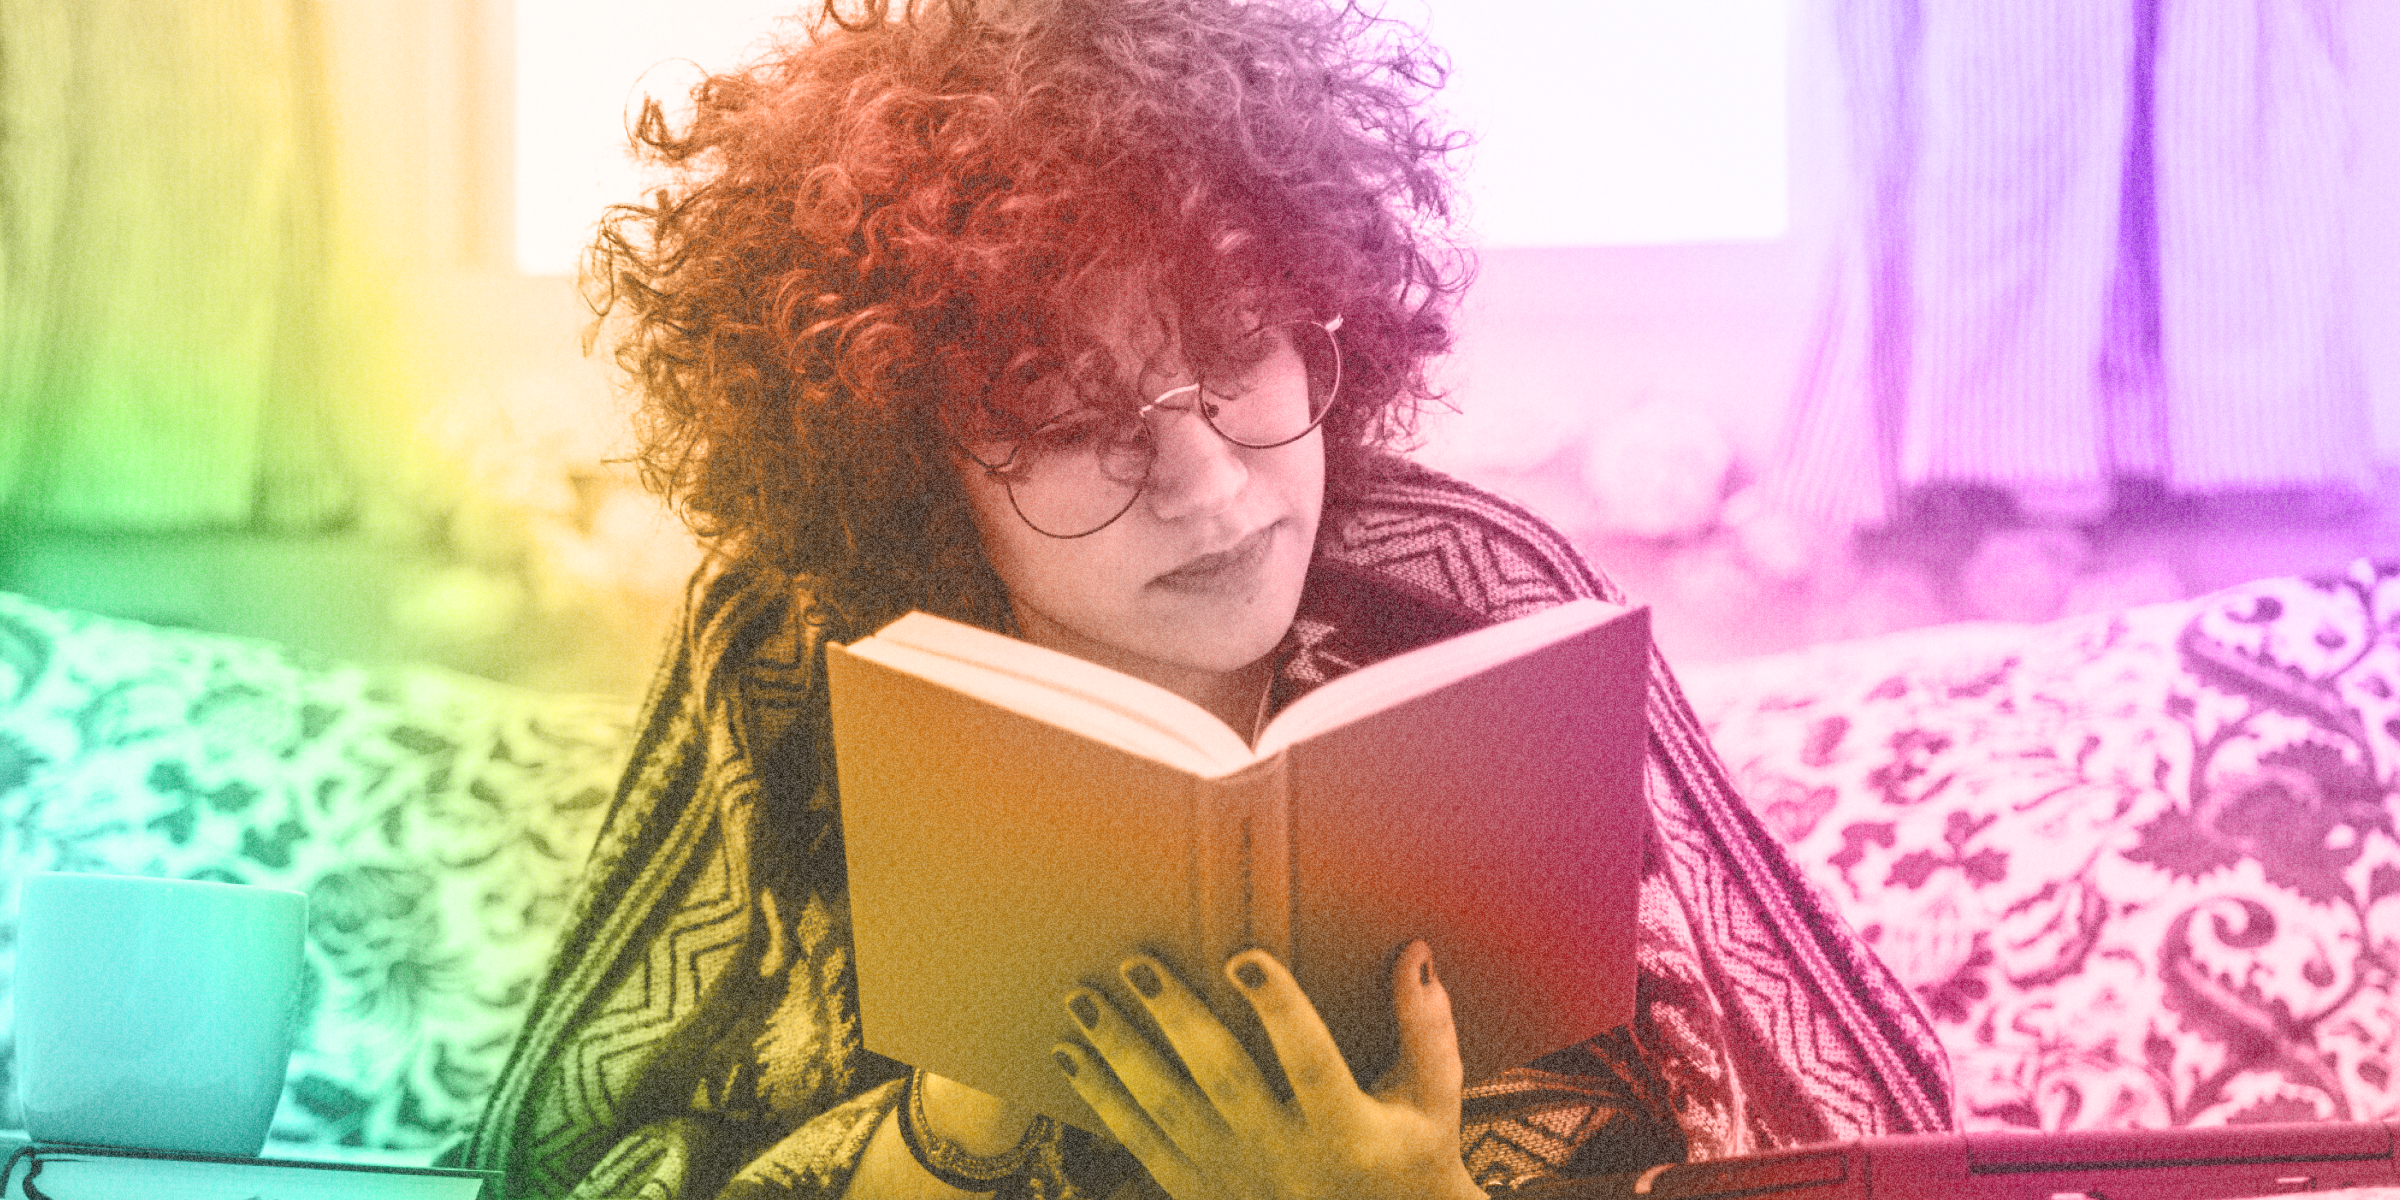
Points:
(2087, 243)
(167, 334)
(265, 366)
(2094, 269)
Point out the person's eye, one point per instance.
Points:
(1258, 361)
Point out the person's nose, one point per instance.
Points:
(1196, 472)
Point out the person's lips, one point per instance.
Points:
(1213, 570)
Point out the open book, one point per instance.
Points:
(1017, 821)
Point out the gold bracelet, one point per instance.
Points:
(947, 1161)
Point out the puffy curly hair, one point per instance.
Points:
(887, 227)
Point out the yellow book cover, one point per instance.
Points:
(1017, 821)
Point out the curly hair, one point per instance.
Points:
(895, 221)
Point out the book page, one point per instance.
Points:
(1108, 706)
(1401, 678)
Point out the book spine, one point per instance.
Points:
(1245, 864)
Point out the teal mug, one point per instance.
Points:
(155, 1013)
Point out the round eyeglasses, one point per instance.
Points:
(1077, 472)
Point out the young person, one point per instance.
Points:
(1093, 322)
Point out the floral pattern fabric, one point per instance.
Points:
(2139, 868)
(436, 823)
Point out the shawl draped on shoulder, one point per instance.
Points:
(696, 1034)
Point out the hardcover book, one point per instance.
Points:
(71, 1172)
(1017, 821)
(2208, 1163)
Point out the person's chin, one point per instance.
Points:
(1257, 632)
(1231, 642)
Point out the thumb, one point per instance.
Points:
(1427, 1074)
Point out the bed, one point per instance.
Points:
(2140, 868)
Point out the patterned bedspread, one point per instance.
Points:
(2140, 868)
(435, 821)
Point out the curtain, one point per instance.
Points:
(165, 343)
(2086, 240)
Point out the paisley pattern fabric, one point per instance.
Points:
(696, 1034)
(2141, 868)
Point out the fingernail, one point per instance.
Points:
(1143, 979)
(1251, 975)
(1087, 1014)
(1066, 1062)
(1425, 973)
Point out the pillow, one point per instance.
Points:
(435, 821)
(2139, 868)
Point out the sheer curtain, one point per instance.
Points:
(2087, 240)
(198, 318)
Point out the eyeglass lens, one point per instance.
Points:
(1081, 471)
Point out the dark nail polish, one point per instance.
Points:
(1425, 973)
(1251, 975)
(1087, 1014)
(1144, 980)
(1066, 1062)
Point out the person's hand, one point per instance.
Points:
(1224, 1135)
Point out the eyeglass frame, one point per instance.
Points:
(998, 471)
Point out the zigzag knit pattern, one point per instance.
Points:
(697, 1032)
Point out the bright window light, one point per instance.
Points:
(1616, 122)
(582, 66)
(1597, 122)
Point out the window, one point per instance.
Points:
(1619, 122)
(1598, 122)
(581, 67)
